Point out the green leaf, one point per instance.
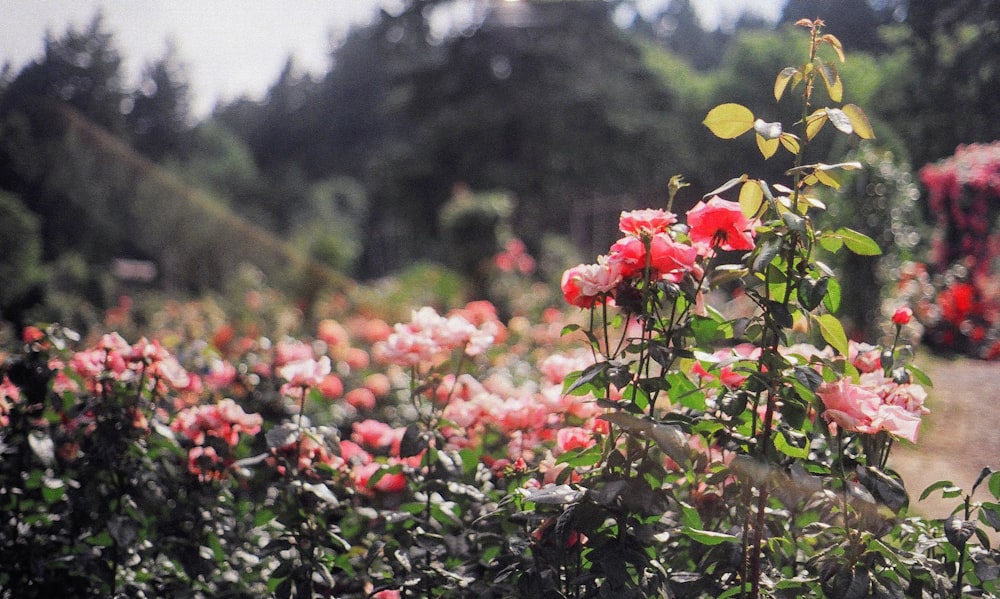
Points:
(946, 485)
(793, 451)
(690, 518)
(832, 298)
(994, 484)
(726, 186)
(589, 375)
(859, 243)
(581, 457)
(919, 375)
(767, 252)
(709, 537)
(729, 120)
(833, 332)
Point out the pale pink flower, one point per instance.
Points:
(645, 222)
(587, 284)
(569, 438)
(307, 372)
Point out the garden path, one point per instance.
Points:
(958, 438)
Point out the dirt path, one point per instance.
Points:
(958, 438)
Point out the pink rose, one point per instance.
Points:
(720, 224)
(588, 284)
(647, 221)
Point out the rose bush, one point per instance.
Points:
(956, 296)
(641, 443)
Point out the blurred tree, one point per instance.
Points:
(55, 176)
(81, 69)
(677, 29)
(549, 100)
(21, 267)
(157, 113)
(942, 91)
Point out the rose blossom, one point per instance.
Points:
(902, 316)
(648, 221)
(303, 373)
(586, 284)
(858, 409)
(720, 223)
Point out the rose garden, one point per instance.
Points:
(688, 415)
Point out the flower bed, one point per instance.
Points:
(640, 444)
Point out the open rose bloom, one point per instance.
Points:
(655, 245)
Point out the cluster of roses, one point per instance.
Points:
(222, 422)
(962, 192)
(878, 401)
(431, 337)
(656, 246)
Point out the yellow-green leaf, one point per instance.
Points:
(781, 82)
(727, 186)
(729, 120)
(751, 199)
(827, 179)
(859, 120)
(835, 44)
(767, 146)
(833, 332)
(831, 79)
(859, 243)
(790, 141)
(815, 122)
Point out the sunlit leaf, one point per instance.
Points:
(833, 332)
(767, 147)
(729, 120)
(831, 79)
(859, 243)
(752, 199)
(945, 486)
(831, 301)
(709, 537)
(835, 44)
(781, 82)
(790, 141)
(840, 120)
(859, 120)
(815, 122)
(767, 130)
(784, 446)
(552, 494)
(726, 186)
(42, 446)
(827, 179)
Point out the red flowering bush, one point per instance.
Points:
(957, 296)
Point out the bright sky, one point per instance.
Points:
(236, 47)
